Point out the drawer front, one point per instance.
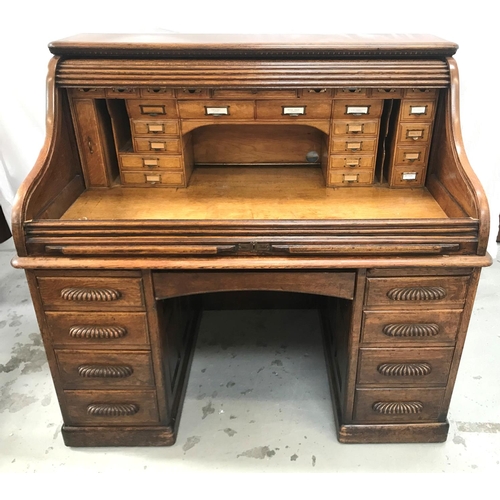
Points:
(157, 93)
(148, 162)
(414, 133)
(154, 178)
(351, 93)
(410, 176)
(92, 293)
(421, 93)
(157, 145)
(353, 144)
(410, 326)
(394, 406)
(151, 110)
(122, 93)
(427, 292)
(253, 94)
(388, 93)
(222, 109)
(353, 127)
(104, 369)
(417, 110)
(109, 330)
(192, 93)
(359, 109)
(155, 127)
(404, 366)
(290, 110)
(111, 408)
(352, 178)
(412, 156)
(352, 162)
(316, 93)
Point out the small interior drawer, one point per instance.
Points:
(357, 109)
(410, 176)
(154, 178)
(414, 133)
(417, 110)
(150, 162)
(353, 144)
(415, 155)
(355, 127)
(157, 144)
(163, 109)
(352, 162)
(155, 127)
(356, 177)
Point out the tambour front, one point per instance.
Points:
(176, 166)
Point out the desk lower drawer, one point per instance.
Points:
(111, 408)
(373, 406)
(164, 178)
(104, 369)
(402, 367)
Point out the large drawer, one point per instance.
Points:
(410, 326)
(92, 293)
(429, 292)
(291, 109)
(373, 406)
(404, 366)
(104, 369)
(102, 408)
(212, 109)
(109, 330)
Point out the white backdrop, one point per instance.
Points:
(28, 27)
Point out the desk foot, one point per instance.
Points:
(394, 433)
(117, 436)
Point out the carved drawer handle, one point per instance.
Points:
(398, 407)
(112, 409)
(411, 330)
(417, 293)
(404, 369)
(90, 294)
(100, 371)
(97, 332)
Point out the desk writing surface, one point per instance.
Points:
(255, 193)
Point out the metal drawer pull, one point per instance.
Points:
(294, 110)
(351, 177)
(155, 128)
(404, 369)
(357, 110)
(352, 163)
(152, 110)
(221, 111)
(150, 162)
(418, 110)
(411, 330)
(411, 156)
(353, 146)
(155, 146)
(100, 371)
(415, 134)
(112, 409)
(398, 407)
(97, 332)
(90, 294)
(417, 293)
(355, 128)
(409, 176)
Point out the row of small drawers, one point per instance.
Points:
(407, 346)
(198, 93)
(98, 329)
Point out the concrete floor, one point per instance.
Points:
(257, 400)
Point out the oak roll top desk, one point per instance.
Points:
(177, 166)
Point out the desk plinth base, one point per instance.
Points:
(394, 433)
(118, 436)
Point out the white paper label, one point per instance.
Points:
(409, 176)
(217, 111)
(357, 110)
(297, 110)
(418, 110)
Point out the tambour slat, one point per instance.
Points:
(366, 73)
